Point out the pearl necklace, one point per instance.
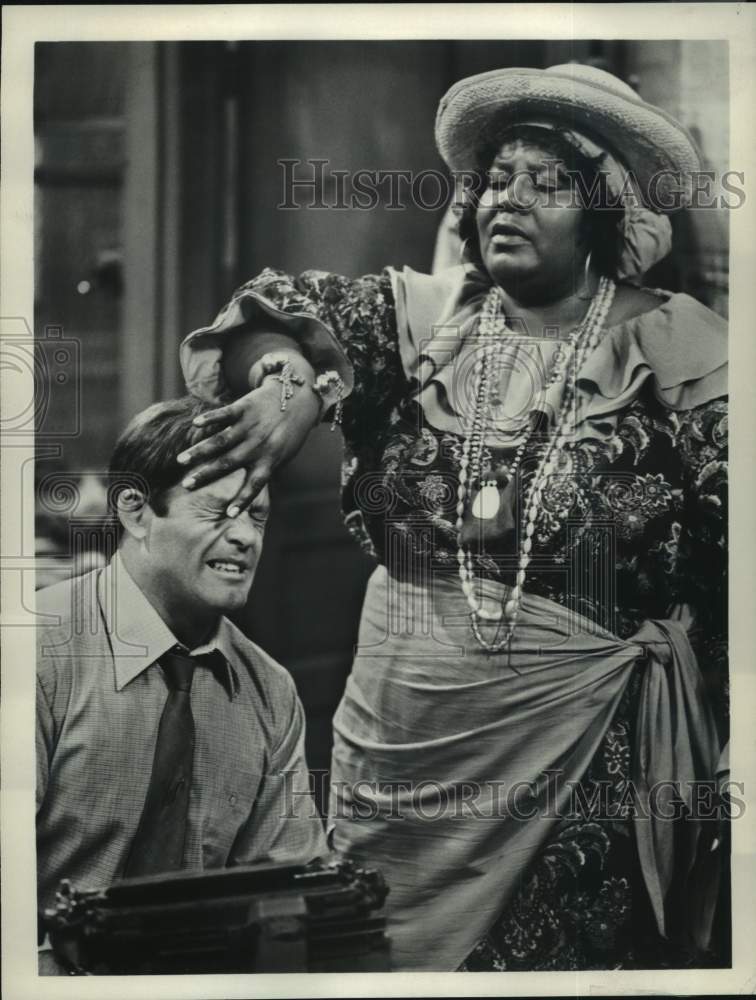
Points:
(581, 343)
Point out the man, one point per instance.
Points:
(165, 739)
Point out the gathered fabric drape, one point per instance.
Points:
(454, 804)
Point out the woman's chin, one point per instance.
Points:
(511, 268)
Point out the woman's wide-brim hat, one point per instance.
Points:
(648, 140)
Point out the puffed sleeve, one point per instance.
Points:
(339, 323)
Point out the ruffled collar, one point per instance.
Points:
(680, 346)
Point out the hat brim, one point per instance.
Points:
(656, 148)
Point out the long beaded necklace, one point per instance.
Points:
(581, 344)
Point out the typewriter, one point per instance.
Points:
(257, 918)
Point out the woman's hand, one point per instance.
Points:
(253, 434)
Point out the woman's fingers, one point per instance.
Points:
(223, 415)
(259, 435)
(254, 482)
(212, 446)
(236, 458)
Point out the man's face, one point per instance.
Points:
(200, 561)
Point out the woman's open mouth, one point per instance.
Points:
(503, 232)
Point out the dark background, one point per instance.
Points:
(156, 190)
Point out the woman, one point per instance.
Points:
(535, 455)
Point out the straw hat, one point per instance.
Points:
(584, 98)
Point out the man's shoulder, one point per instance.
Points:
(67, 622)
(264, 670)
(59, 603)
(65, 629)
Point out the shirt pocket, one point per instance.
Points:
(229, 808)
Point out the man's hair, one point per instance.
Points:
(144, 457)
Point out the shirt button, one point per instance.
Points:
(232, 799)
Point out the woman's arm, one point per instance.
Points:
(244, 349)
(254, 432)
(319, 322)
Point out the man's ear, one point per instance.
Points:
(134, 513)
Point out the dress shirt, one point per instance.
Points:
(100, 695)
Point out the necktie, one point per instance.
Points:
(158, 845)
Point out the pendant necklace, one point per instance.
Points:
(486, 503)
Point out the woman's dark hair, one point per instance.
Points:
(144, 457)
(599, 222)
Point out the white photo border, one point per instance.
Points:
(22, 27)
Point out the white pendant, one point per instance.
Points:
(489, 612)
(486, 503)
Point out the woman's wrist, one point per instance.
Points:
(243, 349)
(273, 361)
(294, 373)
(330, 389)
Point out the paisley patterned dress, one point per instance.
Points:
(641, 508)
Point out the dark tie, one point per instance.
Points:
(158, 845)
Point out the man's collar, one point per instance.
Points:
(222, 643)
(139, 636)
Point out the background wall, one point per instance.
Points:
(157, 186)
